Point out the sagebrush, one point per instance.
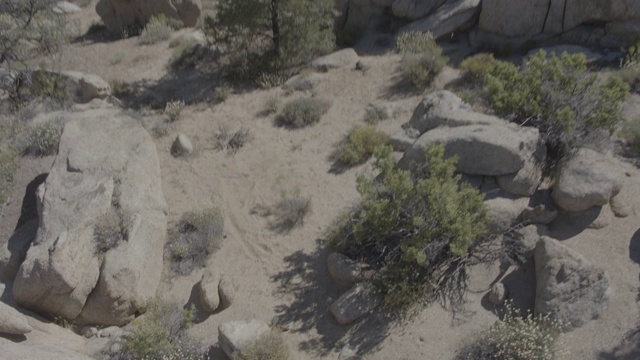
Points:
(360, 145)
(173, 109)
(156, 30)
(302, 112)
(112, 228)
(375, 113)
(416, 229)
(422, 58)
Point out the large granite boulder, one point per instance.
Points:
(107, 163)
(568, 286)
(120, 14)
(452, 16)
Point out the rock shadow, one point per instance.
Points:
(627, 349)
(521, 286)
(634, 247)
(307, 279)
(29, 208)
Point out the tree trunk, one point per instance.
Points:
(275, 28)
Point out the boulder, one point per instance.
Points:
(568, 286)
(120, 14)
(359, 301)
(208, 290)
(504, 209)
(303, 82)
(341, 58)
(344, 270)
(234, 335)
(505, 17)
(538, 215)
(587, 179)
(226, 291)
(451, 17)
(444, 108)
(526, 181)
(14, 250)
(401, 141)
(523, 242)
(481, 149)
(414, 9)
(65, 7)
(621, 206)
(182, 146)
(106, 161)
(12, 322)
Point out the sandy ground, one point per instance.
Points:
(282, 278)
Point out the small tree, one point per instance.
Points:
(276, 33)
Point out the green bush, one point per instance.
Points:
(477, 66)
(517, 338)
(360, 145)
(422, 58)
(8, 168)
(156, 30)
(270, 346)
(160, 334)
(373, 114)
(268, 80)
(414, 42)
(197, 235)
(302, 112)
(558, 96)
(416, 229)
(44, 138)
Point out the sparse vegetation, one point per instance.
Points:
(416, 229)
(156, 30)
(360, 145)
(173, 109)
(270, 346)
(120, 88)
(222, 93)
(422, 58)
(231, 142)
(286, 214)
(111, 228)
(267, 80)
(44, 138)
(518, 338)
(630, 132)
(373, 113)
(161, 334)
(198, 234)
(272, 105)
(630, 65)
(477, 66)
(302, 112)
(8, 167)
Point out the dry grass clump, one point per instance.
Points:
(373, 113)
(44, 138)
(360, 145)
(272, 105)
(286, 214)
(268, 80)
(302, 112)
(198, 234)
(231, 142)
(270, 346)
(156, 30)
(422, 58)
(111, 228)
(173, 108)
(478, 65)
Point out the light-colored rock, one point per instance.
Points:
(341, 58)
(449, 18)
(482, 150)
(14, 250)
(194, 37)
(344, 270)
(65, 7)
(568, 286)
(526, 181)
(226, 291)
(498, 294)
(414, 9)
(104, 158)
(444, 108)
(111, 332)
(83, 87)
(182, 145)
(538, 215)
(587, 179)
(505, 17)
(234, 335)
(208, 290)
(12, 322)
(49, 350)
(504, 209)
(621, 206)
(596, 217)
(89, 331)
(120, 14)
(303, 82)
(359, 301)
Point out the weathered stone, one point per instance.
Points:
(208, 290)
(65, 7)
(344, 270)
(523, 242)
(525, 182)
(568, 287)
(359, 301)
(400, 141)
(226, 291)
(341, 58)
(110, 332)
(12, 322)
(120, 14)
(303, 82)
(587, 179)
(621, 206)
(235, 335)
(182, 145)
(414, 9)
(451, 17)
(81, 86)
(89, 331)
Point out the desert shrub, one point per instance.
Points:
(272, 105)
(270, 346)
(373, 114)
(197, 235)
(231, 142)
(416, 229)
(186, 54)
(8, 168)
(630, 132)
(44, 138)
(558, 96)
(222, 93)
(288, 213)
(422, 58)
(111, 228)
(302, 112)
(45, 84)
(120, 88)
(360, 145)
(173, 109)
(161, 334)
(515, 337)
(156, 30)
(268, 80)
(477, 66)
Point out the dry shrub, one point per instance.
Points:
(112, 228)
(373, 114)
(360, 145)
(173, 108)
(44, 138)
(156, 30)
(286, 214)
(270, 346)
(231, 142)
(302, 112)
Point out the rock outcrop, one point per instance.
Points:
(359, 301)
(106, 163)
(121, 14)
(234, 335)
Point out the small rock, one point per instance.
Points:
(234, 335)
(13, 322)
(539, 215)
(343, 270)
(226, 291)
(347, 353)
(182, 145)
(338, 59)
(89, 331)
(208, 290)
(303, 82)
(111, 332)
(621, 206)
(498, 294)
(359, 301)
